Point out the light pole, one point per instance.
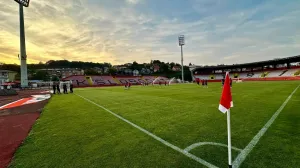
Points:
(23, 56)
(181, 43)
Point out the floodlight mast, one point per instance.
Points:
(23, 56)
(181, 43)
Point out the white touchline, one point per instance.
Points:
(199, 160)
(242, 156)
(195, 145)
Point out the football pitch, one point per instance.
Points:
(167, 126)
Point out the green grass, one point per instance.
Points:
(72, 132)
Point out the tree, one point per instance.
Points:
(41, 75)
(134, 65)
(164, 68)
(172, 64)
(91, 72)
(11, 67)
(54, 79)
(156, 61)
(18, 77)
(112, 71)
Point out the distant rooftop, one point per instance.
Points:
(252, 64)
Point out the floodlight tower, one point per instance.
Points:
(181, 43)
(23, 56)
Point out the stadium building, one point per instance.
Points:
(7, 76)
(277, 69)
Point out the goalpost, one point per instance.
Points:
(173, 81)
(61, 83)
(156, 80)
(239, 80)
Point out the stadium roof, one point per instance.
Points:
(252, 64)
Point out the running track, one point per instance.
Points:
(13, 130)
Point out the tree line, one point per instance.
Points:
(90, 68)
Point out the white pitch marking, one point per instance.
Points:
(199, 160)
(242, 156)
(195, 145)
(10, 103)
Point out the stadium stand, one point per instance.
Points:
(91, 81)
(277, 69)
(290, 72)
(283, 72)
(218, 76)
(275, 73)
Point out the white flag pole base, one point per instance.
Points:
(229, 139)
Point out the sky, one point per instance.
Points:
(122, 31)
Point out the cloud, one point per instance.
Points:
(123, 31)
(133, 1)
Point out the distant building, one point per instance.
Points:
(156, 68)
(7, 76)
(176, 68)
(119, 67)
(136, 72)
(64, 72)
(128, 71)
(145, 71)
(98, 70)
(106, 69)
(101, 70)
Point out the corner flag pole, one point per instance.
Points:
(224, 106)
(229, 140)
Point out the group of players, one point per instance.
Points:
(56, 88)
(161, 83)
(223, 81)
(127, 85)
(204, 82)
(166, 83)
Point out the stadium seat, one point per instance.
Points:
(290, 72)
(275, 73)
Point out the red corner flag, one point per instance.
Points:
(226, 99)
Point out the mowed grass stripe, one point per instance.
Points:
(180, 114)
(252, 100)
(201, 161)
(159, 115)
(78, 134)
(279, 147)
(241, 157)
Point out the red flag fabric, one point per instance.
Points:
(226, 98)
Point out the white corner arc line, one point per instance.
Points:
(195, 145)
(199, 160)
(242, 156)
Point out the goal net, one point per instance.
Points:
(239, 80)
(64, 82)
(173, 81)
(162, 80)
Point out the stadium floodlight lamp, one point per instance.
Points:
(24, 3)
(181, 43)
(181, 40)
